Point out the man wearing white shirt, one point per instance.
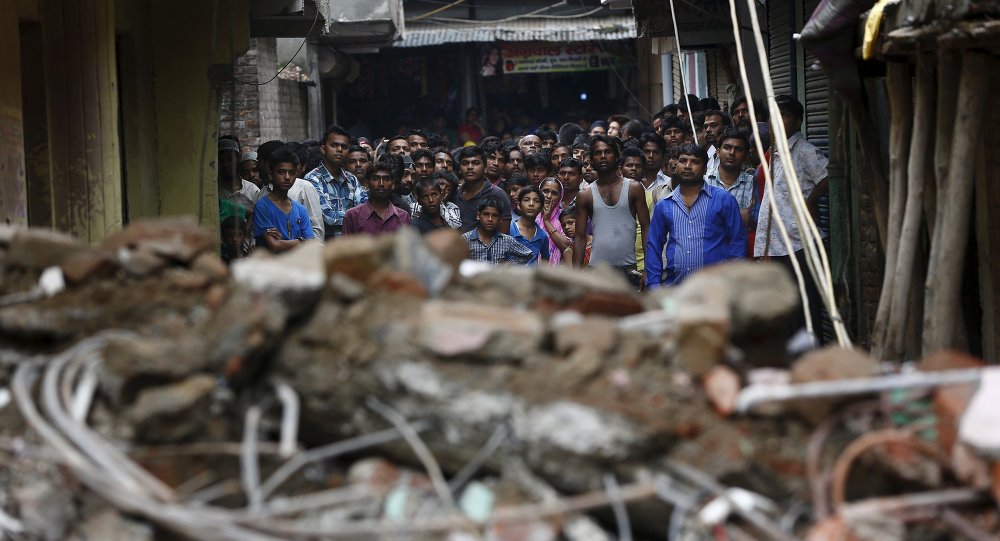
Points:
(653, 148)
(810, 166)
(715, 122)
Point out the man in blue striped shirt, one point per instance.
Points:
(699, 224)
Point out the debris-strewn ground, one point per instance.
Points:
(372, 390)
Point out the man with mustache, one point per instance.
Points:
(700, 224)
(616, 204)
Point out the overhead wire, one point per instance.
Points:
(534, 13)
(297, 51)
(816, 257)
(438, 10)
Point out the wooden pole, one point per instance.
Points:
(949, 62)
(899, 87)
(954, 206)
(920, 149)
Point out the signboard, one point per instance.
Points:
(553, 58)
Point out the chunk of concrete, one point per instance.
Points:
(475, 331)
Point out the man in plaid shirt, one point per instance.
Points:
(731, 175)
(339, 190)
(488, 244)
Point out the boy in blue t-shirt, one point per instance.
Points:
(279, 223)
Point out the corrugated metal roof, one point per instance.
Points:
(424, 34)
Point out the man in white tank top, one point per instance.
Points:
(615, 204)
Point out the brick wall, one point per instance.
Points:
(240, 103)
(255, 114)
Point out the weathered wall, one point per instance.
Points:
(82, 105)
(259, 113)
(138, 111)
(13, 190)
(187, 99)
(292, 108)
(240, 110)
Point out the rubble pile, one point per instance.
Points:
(384, 388)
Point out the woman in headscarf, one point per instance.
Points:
(552, 192)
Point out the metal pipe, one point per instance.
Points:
(753, 395)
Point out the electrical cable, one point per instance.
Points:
(297, 51)
(812, 241)
(816, 257)
(523, 15)
(444, 20)
(680, 59)
(438, 10)
(768, 181)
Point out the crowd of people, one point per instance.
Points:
(657, 200)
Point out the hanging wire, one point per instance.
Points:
(438, 10)
(297, 51)
(816, 258)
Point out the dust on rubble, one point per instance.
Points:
(368, 388)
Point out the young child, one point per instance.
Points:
(428, 195)
(488, 244)
(448, 210)
(513, 186)
(525, 230)
(234, 235)
(568, 221)
(279, 223)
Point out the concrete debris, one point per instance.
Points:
(38, 249)
(526, 387)
(978, 427)
(829, 364)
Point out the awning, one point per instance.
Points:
(424, 34)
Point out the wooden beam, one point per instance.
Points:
(954, 206)
(899, 87)
(921, 145)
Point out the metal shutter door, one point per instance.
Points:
(780, 54)
(816, 95)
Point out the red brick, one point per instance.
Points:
(996, 482)
(949, 405)
(722, 386)
(949, 360)
(594, 302)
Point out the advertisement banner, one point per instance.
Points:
(553, 58)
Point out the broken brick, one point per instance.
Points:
(41, 248)
(609, 304)
(471, 330)
(828, 364)
(81, 266)
(722, 385)
(178, 238)
(597, 334)
(448, 245)
(358, 256)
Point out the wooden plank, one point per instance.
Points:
(36, 133)
(56, 43)
(110, 179)
(92, 196)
